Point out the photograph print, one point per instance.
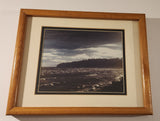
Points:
(81, 61)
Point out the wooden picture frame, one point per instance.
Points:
(13, 109)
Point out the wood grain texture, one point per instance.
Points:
(145, 64)
(78, 111)
(78, 14)
(17, 63)
(12, 109)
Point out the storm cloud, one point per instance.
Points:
(66, 45)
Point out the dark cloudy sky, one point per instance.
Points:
(66, 45)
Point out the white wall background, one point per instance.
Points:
(9, 13)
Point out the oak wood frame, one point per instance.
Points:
(12, 109)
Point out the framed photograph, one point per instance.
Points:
(70, 62)
(81, 61)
